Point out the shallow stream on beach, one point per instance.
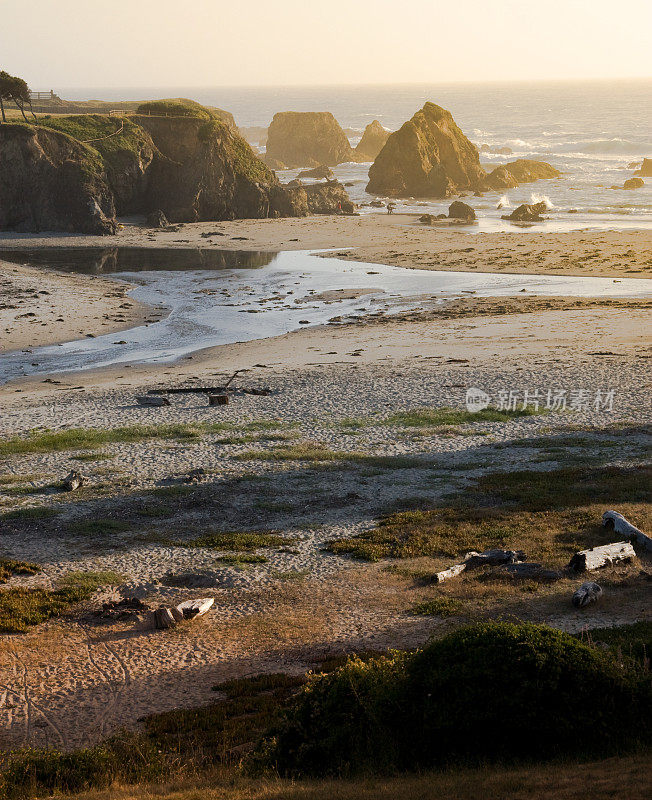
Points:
(216, 297)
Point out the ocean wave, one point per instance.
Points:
(541, 198)
(608, 146)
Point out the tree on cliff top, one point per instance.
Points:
(16, 90)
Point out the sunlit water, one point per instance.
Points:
(216, 297)
(591, 131)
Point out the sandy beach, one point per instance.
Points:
(327, 450)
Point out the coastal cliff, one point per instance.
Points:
(52, 182)
(76, 173)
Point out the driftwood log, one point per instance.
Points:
(473, 560)
(165, 618)
(612, 519)
(152, 400)
(587, 593)
(218, 399)
(72, 481)
(604, 556)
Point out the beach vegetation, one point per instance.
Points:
(239, 540)
(10, 567)
(29, 514)
(549, 514)
(467, 698)
(441, 606)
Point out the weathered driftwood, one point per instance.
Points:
(612, 519)
(473, 559)
(152, 400)
(587, 593)
(596, 557)
(72, 481)
(218, 399)
(165, 618)
(196, 608)
(493, 558)
(451, 572)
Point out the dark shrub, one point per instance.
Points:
(345, 720)
(485, 691)
(498, 690)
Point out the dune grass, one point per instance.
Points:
(244, 541)
(32, 513)
(90, 581)
(44, 441)
(434, 418)
(9, 567)
(441, 606)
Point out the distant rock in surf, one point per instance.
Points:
(527, 213)
(372, 142)
(646, 168)
(320, 173)
(306, 139)
(634, 183)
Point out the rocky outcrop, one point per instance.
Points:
(527, 213)
(306, 139)
(503, 151)
(646, 168)
(318, 172)
(320, 198)
(514, 173)
(50, 182)
(373, 140)
(634, 183)
(428, 156)
(459, 210)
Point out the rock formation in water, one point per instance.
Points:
(50, 182)
(459, 210)
(318, 172)
(372, 142)
(527, 213)
(306, 139)
(429, 156)
(646, 168)
(634, 183)
(77, 173)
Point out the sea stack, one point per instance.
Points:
(428, 156)
(306, 139)
(372, 142)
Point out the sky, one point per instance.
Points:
(136, 43)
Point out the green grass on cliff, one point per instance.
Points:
(176, 107)
(116, 152)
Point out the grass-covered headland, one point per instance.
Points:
(493, 693)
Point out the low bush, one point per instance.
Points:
(492, 691)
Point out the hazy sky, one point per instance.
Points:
(54, 43)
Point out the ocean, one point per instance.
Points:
(591, 131)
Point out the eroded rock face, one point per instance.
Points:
(306, 139)
(428, 156)
(320, 198)
(50, 182)
(646, 168)
(205, 171)
(372, 142)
